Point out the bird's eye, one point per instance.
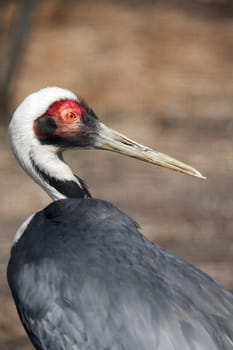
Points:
(71, 117)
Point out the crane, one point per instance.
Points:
(82, 275)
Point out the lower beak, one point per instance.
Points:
(111, 140)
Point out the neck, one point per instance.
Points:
(60, 188)
(49, 170)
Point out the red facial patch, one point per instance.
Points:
(66, 111)
(63, 118)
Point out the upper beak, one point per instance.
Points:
(111, 140)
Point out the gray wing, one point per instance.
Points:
(98, 284)
(47, 310)
(106, 312)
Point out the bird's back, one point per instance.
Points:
(84, 277)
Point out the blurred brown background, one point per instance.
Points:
(159, 71)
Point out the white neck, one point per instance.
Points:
(47, 168)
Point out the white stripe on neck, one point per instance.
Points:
(22, 229)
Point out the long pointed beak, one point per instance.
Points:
(111, 140)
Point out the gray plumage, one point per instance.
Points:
(84, 278)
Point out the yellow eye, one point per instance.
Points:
(71, 117)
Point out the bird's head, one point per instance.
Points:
(54, 119)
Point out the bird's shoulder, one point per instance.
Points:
(88, 209)
(74, 219)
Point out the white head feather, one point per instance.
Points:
(25, 144)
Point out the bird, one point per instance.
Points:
(81, 273)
